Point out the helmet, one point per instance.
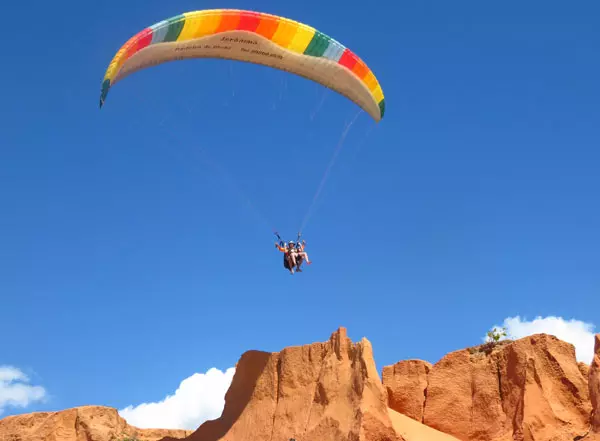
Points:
(291, 243)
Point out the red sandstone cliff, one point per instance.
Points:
(594, 390)
(406, 385)
(87, 423)
(322, 391)
(531, 389)
(527, 390)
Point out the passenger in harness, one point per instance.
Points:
(301, 255)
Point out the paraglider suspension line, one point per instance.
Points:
(332, 161)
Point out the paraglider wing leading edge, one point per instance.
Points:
(253, 37)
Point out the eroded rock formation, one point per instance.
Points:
(530, 389)
(322, 391)
(406, 387)
(594, 387)
(87, 423)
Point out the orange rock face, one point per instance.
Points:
(585, 369)
(527, 390)
(319, 392)
(531, 389)
(88, 423)
(594, 387)
(406, 383)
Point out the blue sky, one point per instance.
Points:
(135, 241)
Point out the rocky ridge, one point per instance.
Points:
(531, 389)
(86, 423)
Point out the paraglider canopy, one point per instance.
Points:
(253, 37)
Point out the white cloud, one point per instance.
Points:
(199, 398)
(15, 390)
(579, 334)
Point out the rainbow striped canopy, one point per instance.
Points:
(254, 37)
